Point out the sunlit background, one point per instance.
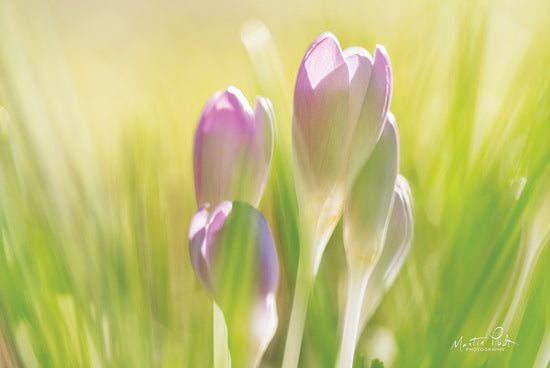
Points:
(100, 102)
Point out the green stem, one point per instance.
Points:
(356, 289)
(304, 283)
(221, 351)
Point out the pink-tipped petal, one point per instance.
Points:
(198, 230)
(261, 149)
(383, 64)
(199, 220)
(218, 217)
(323, 56)
(373, 112)
(320, 38)
(320, 126)
(360, 66)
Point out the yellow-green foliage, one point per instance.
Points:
(96, 184)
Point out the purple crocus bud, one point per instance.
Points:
(234, 257)
(370, 200)
(396, 248)
(340, 97)
(233, 148)
(341, 100)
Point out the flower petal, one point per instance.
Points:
(320, 126)
(373, 112)
(323, 56)
(197, 243)
(260, 151)
(199, 220)
(360, 66)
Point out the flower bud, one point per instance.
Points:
(234, 257)
(369, 201)
(232, 149)
(341, 100)
(398, 242)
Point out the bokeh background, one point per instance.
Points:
(100, 101)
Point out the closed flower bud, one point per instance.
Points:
(232, 149)
(340, 103)
(369, 201)
(234, 257)
(341, 100)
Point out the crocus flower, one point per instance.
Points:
(340, 104)
(396, 248)
(233, 255)
(341, 100)
(233, 148)
(366, 219)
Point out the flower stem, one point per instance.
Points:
(221, 350)
(354, 300)
(304, 283)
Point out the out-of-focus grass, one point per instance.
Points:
(96, 191)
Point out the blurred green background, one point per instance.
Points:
(101, 101)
